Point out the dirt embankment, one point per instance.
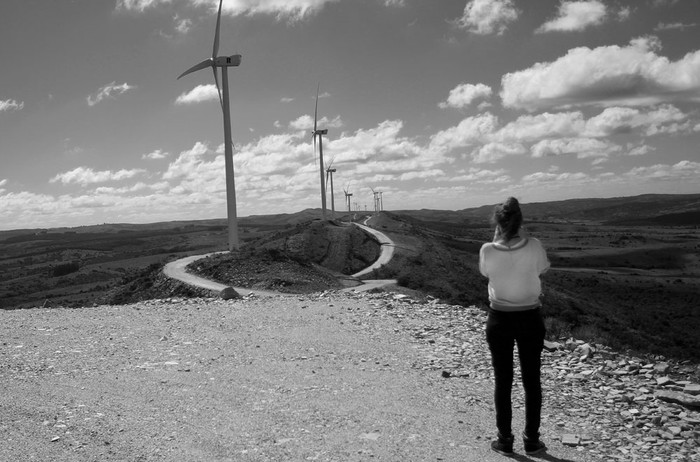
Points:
(343, 248)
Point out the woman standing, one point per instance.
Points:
(513, 262)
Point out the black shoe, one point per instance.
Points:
(533, 445)
(503, 445)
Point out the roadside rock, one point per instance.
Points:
(603, 402)
(229, 293)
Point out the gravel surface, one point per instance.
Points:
(328, 376)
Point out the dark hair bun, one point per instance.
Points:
(508, 217)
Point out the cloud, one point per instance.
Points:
(632, 75)
(673, 26)
(155, 155)
(286, 100)
(306, 122)
(282, 9)
(11, 105)
(581, 147)
(529, 128)
(108, 91)
(182, 25)
(575, 16)
(139, 5)
(465, 94)
(488, 16)
(682, 170)
(189, 162)
(663, 119)
(471, 131)
(494, 151)
(85, 175)
(199, 94)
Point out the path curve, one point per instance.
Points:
(178, 269)
(386, 250)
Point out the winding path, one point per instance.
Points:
(178, 269)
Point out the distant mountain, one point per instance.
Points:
(647, 209)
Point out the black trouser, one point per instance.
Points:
(503, 330)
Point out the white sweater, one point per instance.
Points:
(514, 273)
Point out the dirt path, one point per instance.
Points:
(387, 250)
(288, 378)
(178, 270)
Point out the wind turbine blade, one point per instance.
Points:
(216, 34)
(218, 88)
(316, 109)
(204, 64)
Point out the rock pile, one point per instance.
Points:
(609, 404)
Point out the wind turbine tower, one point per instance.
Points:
(348, 195)
(224, 62)
(376, 194)
(318, 132)
(329, 172)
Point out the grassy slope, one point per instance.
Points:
(647, 314)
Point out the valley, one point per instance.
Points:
(628, 284)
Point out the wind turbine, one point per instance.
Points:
(224, 62)
(376, 199)
(348, 195)
(329, 172)
(320, 133)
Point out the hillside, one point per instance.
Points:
(626, 285)
(647, 209)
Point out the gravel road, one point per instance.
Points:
(284, 378)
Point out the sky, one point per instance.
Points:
(438, 104)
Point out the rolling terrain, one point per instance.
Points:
(626, 271)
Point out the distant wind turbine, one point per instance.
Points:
(348, 195)
(376, 199)
(320, 133)
(329, 172)
(224, 62)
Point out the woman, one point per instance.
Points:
(513, 263)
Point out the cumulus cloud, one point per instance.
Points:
(576, 16)
(108, 91)
(673, 26)
(486, 17)
(471, 131)
(282, 9)
(682, 170)
(529, 128)
(663, 119)
(199, 94)
(85, 175)
(632, 75)
(182, 25)
(494, 151)
(306, 122)
(11, 105)
(581, 147)
(155, 155)
(465, 94)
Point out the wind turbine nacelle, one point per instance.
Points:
(228, 61)
(321, 132)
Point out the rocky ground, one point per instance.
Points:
(325, 376)
(604, 403)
